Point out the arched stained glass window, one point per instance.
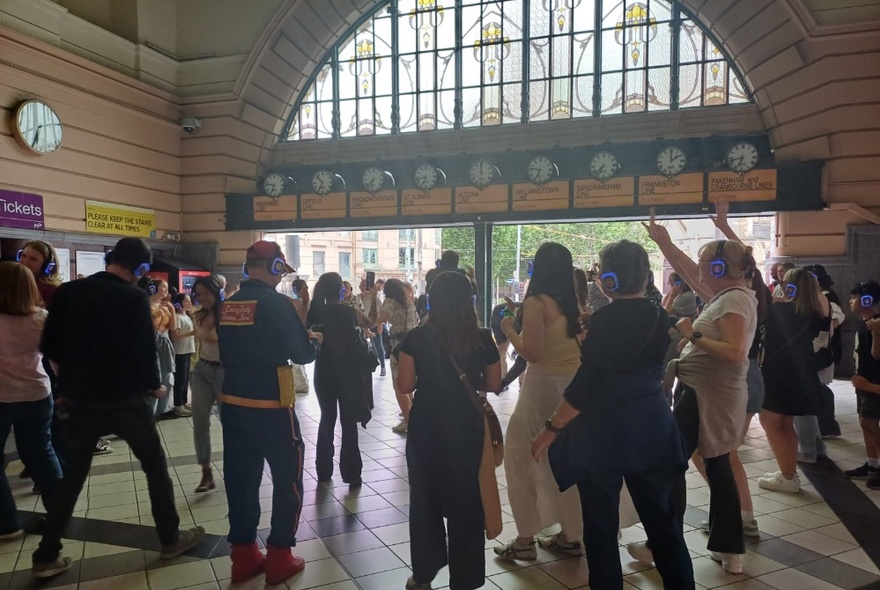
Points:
(423, 65)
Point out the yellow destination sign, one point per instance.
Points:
(547, 197)
(436, 201)
(660, 190)
(120, 220)
(757, 185)
(614, 192)
(470, 199)
(280, 209)
(381, 204)
(330, 206)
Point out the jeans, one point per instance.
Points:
(31, 421)
(810, 445)
(82, 426)
(181, 378)
(651, 491)
(350, 462)
(207, 381)
(725, 519)
(379, 347)
(250, 437)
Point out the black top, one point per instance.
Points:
(625, 423)
(788, 346)
(866, 365)
(337, 350)
(259, 331)
(100, 332)
(439, 393)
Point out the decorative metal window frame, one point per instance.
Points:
(490, 49)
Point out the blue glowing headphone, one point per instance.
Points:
(152, 287)
(530, 269)
(867, 300)
(342, 293)
(610, 281)
(717, 266)
(791, 290)
(49, 265)
(138, 271)
(274, 266)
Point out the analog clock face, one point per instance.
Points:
(322, 182)
(742, 157)
(37, 127)
(273, 185)
(373, 179)
(541, 170)
(670, 161)
(426, 176)
(604, 165)
(483, 173)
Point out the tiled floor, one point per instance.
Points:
(361, 539)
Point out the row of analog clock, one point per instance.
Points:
(671, 160)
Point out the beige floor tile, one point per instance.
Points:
(791, 579)
(858, 558)
(823, 544)
(526, 578)
(133, 581)
(181, 576)
(319, 573)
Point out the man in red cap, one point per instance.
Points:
(261, 337)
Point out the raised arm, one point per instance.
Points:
(678, 260)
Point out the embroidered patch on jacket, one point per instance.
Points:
(238, 313)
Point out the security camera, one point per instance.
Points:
(189, 123)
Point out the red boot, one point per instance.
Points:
(282, 564)
(247, 562)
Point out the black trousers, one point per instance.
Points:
(652, 494)
(725, 519)
(81, 427)
(828, 425)
(181, 378)
(350, 462)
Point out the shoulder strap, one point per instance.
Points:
(466, 383)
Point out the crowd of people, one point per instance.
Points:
(621, 386)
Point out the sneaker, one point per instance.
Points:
(641, 553)
(514, 550)
(779, 483)
(731, 562)
(182, 412)
(48, 570)
(558, 544)
(186, 541)
(874, 482)
(401, 428)
(413, 585)
(382, 372)
(863, 472)
(805, 459)
(102, 448)
(750, 529)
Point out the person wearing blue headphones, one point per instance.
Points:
(40, 258)
(107, 373)
(261, 336)
(864, 300)
(712, 372)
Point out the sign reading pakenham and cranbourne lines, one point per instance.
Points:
(120, 220)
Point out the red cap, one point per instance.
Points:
(268, 251)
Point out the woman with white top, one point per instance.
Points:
(25, 395)
(207, 375)
(184, 347)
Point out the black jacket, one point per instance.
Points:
(100, 333)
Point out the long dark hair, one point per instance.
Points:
(326, 293)
(552, 276)
(452, 317)
(581, 286)
(212, 285)
(394, 290)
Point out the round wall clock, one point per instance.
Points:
(276, 184)
(604, 165)
(542, 169)
(742, 157)
(375, 179)
(37, 128)
(325, 182)
(671, 160)
(428, 176)
(483, 173)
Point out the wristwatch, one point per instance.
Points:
(696, 336)
(548, 425)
